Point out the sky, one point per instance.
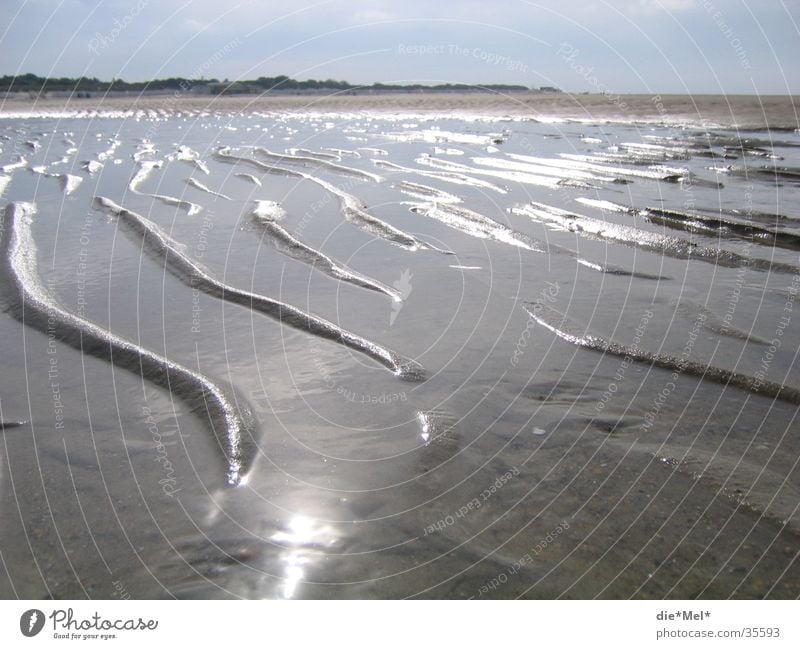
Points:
(613, 46)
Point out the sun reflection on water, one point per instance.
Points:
(304, 541)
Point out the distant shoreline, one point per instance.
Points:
(748, 112)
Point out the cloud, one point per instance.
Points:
(372, 16)
(661, 43)
(663, 5)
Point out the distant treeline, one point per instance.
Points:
(33, 84)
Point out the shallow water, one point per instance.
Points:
(461, 358)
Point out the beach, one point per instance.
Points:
(457, 346)
(742, 111)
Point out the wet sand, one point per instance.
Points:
(606, 315)
(747, 112)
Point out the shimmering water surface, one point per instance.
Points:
(351, 356)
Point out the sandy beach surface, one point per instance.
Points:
(741, 111)
(399, 346)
